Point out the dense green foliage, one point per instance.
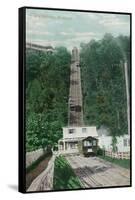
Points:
(103, 82)
(64, 176)
(103, 85)
(47, 88)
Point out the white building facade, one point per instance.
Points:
(71, 137)
(123, 143)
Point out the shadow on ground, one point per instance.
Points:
(13, 187)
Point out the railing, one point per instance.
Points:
(44, 181)
(119, 155)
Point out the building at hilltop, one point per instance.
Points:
(48, 49)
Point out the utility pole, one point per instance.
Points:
(127, 95)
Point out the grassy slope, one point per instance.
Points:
(123, 163)
(64, 176)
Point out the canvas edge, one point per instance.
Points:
(21, 88)
(21, 83)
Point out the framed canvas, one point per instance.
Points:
(74, 99)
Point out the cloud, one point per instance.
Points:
(80, 34)
(113, 20)
(39, 32)
(83, 34)
(68, 29)
(81, 39)
(65, 33)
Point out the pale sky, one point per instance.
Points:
(69, 29)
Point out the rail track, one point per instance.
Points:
(95, 172)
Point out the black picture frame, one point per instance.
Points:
(22, 97)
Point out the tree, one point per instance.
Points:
(114, 144)
(46, 97)
(103, 83)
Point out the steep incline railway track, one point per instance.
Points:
(75, 94)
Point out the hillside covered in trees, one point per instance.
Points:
(103, 87)
(103, 82)
(47, 88)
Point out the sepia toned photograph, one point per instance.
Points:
(77, 82)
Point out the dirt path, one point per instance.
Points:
(95, 172)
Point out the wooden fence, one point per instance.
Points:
(119, 155)
(44, 181)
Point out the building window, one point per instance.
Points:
(128, 142)
(87, 144)
(94, 142)
(84, 144)
(72, 146)
(84, 130)
(71, 131)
